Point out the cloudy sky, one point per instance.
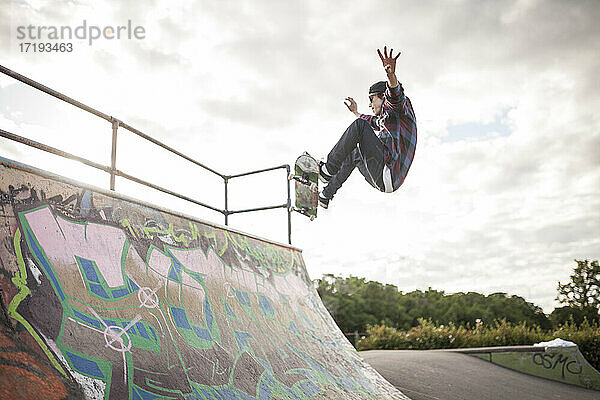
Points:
(504, 192)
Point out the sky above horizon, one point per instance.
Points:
(504, 191)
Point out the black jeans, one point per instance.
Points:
(359, 147)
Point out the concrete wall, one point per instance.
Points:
(561, 364)
(113, 299)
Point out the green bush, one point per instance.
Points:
(428, 335)
(586, 336)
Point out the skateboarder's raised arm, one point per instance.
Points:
(394, 96)
(389, 64)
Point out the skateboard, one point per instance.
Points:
(306, 177)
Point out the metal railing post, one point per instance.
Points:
(226, 179)
(113, 156)
(289, 204)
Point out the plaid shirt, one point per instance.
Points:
(396, 127)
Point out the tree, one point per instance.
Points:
(354, 303)
(467, 308)
(583, 291)
(563, 315)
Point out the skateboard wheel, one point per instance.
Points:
(312, 217)
(292, 209)
(313, 186)
(290, 177)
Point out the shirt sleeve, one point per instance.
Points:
(394, 98)
(371, 120)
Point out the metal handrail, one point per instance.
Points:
(78, 104)
(257, 171)
(114, 172)
(52, 92)
(55, 151)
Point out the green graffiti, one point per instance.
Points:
(266, 257)
(179, 239)
(170, 324)
(126, 224)
(194, 230)
(213, 236)
(20, 281)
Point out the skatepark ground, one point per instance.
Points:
(435, 374)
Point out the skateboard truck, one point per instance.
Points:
(303, 211)
(304, 181)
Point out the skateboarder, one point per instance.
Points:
(382, 146)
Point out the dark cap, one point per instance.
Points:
(378, 87)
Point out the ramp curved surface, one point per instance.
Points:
(111, 298)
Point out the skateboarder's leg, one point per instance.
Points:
(344, 172)
(359, 132)
(371, 165)
(369, 153)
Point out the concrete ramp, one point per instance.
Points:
(105, 297)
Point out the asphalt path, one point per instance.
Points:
(441, 375)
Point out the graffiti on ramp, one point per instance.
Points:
(132, 302)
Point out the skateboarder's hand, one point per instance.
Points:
(389, 61)
(351, 104)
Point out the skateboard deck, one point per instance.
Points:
(306, 177)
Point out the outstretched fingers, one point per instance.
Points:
(385, 56)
